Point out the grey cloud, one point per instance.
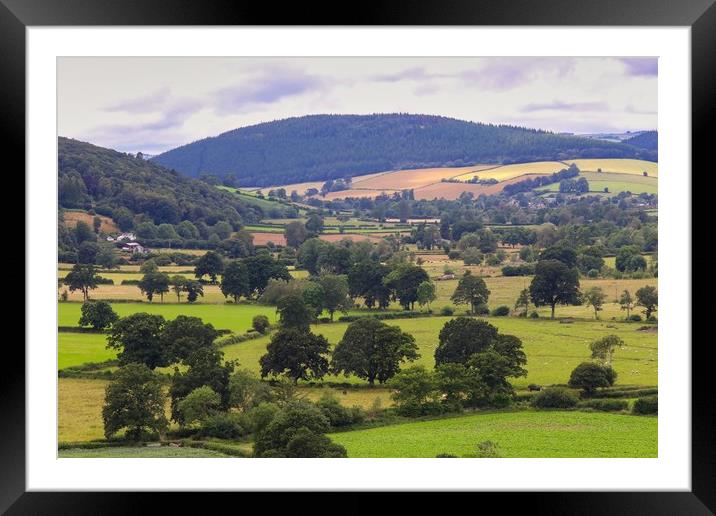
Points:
(146, 104)
(644, 66)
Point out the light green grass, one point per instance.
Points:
(81, 348)
(225, 316)
(143, 452)
(517, 434)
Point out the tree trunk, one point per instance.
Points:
(553, 304)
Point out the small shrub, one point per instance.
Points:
(534, 315)
(445, 456)
(482, 309)
(337, 414)
(454, 255)
(488, 450)
(260, 323)
(225, 425)
(593, 273)
(555, 397)
(634, 318)
(648, 405)
(447, 310)
(606, 405)
(501, 311)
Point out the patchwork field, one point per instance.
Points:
(616, 182)
(413, 178)
(517, 434)
(617, 166)
(518, 169)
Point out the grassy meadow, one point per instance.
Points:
(518, 434)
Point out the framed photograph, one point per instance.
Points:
(410, 251)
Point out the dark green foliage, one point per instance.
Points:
(648, 297)
(83, 278)
(338, 415)
(555, 397)
(403, 282)
(501, 311)
(204, 368)
(365, 279)
(260, 323)
(298, 353)
(518, 270)
(154, 282)
(297, 430)
(97, 314)
(554, 283)
(648, 405)
(210, 264)
(320, 147)
(261, 268)
(138, 339)
(606, 405)
(415, 392)
(184, 335)
(335, 293)
(462, 337)
(589, 376)
(373, 350)
(294, 313)
(134, 400)
(235, 280)
(225, 425)
(471, 290)
(119, 185)
(647, 140)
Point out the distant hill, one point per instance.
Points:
(647, 140)
(128, 188)
(321, 147)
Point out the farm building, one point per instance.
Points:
(133, 247)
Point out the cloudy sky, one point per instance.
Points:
(155, 104)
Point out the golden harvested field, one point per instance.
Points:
(452, 191)
(414, 178)
(73, 217)
(212, 294)
(331, 196)
(80, 404)
(618, 166)
(519, 169)
(265, 238)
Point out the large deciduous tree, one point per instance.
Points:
(373, 350)
(297, 353)
(471, 290)
(154, 283)
(134, 400)
(554, 283)
(98, 314)
(82, 277)
(210, 264)
(138, 339)
(648, 297)
(403, 281)
(235, 280)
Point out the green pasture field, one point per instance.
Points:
(616, 183)
(140, 452)
(563, 434)
(236, 318)
(264, 229)
(75, 349)
(553, 349)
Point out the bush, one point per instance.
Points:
(634, 318)
(534, 315)
(555, 397)
(648, 405)
(501, 311)
(447, 310)
(606, 405)
(260, 323)
(488, 450)
(454, 255)
(337, 414)
(260, 416)
(225, 425)
(445, 456)
(589, 376)
(593, 273)
(482, 309)
(518, 270)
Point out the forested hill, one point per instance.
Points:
(647, 140)
(130, 189)
(320, 147)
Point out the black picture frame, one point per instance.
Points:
(700, 15)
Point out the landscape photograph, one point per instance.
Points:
(359, 257)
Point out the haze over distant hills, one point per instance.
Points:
(321, 147)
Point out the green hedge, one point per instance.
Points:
(606, 405)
